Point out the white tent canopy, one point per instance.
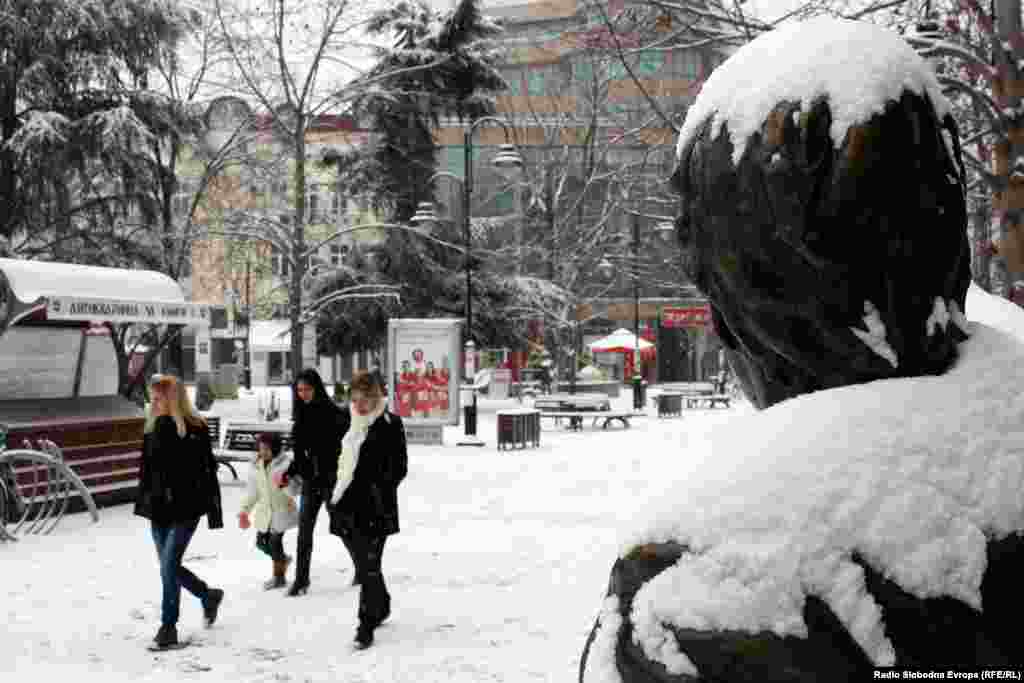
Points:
(619, 340)
(270, 335)
(67, 291)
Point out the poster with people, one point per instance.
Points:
(424, 355)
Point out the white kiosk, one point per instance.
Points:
(59, 371)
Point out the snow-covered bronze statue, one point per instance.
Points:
(870, 514)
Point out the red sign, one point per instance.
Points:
(694, 316)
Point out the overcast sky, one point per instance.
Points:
(765, 9)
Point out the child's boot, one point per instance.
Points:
(277, 580)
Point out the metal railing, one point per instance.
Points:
(50, 483)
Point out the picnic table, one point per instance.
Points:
(572, 402)
(576, 417)
(689, 388)
(709, 401)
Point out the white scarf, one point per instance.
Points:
(351, 443)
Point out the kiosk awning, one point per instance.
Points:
(66, 291)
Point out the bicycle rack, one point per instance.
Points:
(52, 484)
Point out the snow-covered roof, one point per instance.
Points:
(30, 280)
(70, 291)
(857, 66)
(775, 503)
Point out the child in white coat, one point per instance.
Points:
(273, 509)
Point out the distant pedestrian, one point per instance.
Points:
(318, 427)
(273, 510)
(364, 504)
(545, 379)
(177, 486)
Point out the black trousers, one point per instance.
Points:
(313, 497)
(374, 599)
(272, 543)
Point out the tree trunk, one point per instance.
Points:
(981, 224)
(298, 246)
(1009, 201)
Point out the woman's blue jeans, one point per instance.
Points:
(171, 542)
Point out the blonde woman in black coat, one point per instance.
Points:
(364, 504)
(177, 486)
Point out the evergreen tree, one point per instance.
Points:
(440, 64)
(73, 82)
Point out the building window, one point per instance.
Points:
(181, 202)
(685, 64)
(544, 79)
(583, 72)
(335, 201)
(279, 264)
(338, 254)
(313, 204)
(649, 63)
(514, 79)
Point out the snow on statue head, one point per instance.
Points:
(823, 198)
(851, 523)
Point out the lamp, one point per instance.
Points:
(508, 161)
(425, 217)
(666, 230)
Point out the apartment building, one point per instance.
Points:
(579, 117)
(251, 197)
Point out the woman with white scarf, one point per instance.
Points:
(364, 503)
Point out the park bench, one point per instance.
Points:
(572, 402)
(576, 417)
(518, 428)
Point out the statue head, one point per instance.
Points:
(824, 210)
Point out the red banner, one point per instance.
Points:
(693, 316)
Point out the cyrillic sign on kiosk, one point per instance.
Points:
(690, 316)
(84, 309)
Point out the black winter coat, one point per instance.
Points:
(178, 476)
(369, 505)
(316, 442)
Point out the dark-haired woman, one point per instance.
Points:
(317, 429)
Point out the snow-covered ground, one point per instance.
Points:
(497, 575)
(499, 571)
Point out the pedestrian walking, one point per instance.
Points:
(364, 503)
(318, 427)
(268, 508)
(177, 486)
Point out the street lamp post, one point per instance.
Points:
(664, 230)
(506, 159)
(638, 400)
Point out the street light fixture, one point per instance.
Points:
(666, 231)
(606, 270)
(509, 163)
